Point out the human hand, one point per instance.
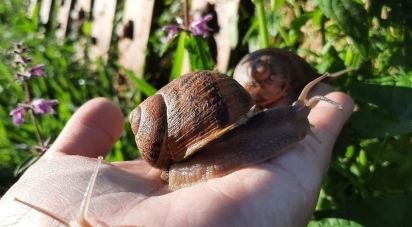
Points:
(279, 192)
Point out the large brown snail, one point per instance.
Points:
(204, 125)
(273, 76)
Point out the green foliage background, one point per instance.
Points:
(370, 180)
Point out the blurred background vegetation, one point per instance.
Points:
(370, 179)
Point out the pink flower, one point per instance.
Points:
(42, 106)
(37, 71)
(18, 115)
(200, 27)
(171, 31)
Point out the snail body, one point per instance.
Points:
(245, 136)
(273, 76)
(265, 136)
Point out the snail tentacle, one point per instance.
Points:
(314, 100)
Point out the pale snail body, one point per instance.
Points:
(273, 76)
(247, 137)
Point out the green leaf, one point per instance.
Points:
(179, 56)
(142, 84)
(392, 164)
(333, 222)
(29, 161)
(263, 29)
(116, 155)
(277, 4)
(252, 31)
(383, 211)
(300, 21)
(352, 18)
(199, 55)
(87, 28)
(383, 110)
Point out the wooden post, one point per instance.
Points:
(82, 7)
(45, 9)
(80, 14)
(103, 17)
(134, 34)
(227, 38)
(30, 9)
(63, 18)
(227, 18)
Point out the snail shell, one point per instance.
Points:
(202, 126)
(273, 76)
(186, 115)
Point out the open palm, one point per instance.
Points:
(279, 192)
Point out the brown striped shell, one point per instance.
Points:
(273, 76)
(186, 115)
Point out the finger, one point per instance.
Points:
(91, 131)
(327, 121)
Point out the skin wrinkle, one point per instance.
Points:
(325, 131)
(317, 157)
(242, 206)
(70, 204)
(154, 192)
(17, 218)
(224, 195)
(90, 123)
(192, 220)
(72, 137)
(297, 179)
(172, 206)
(280, 170)
(279, 174)
(14, 220)
(147, 174)
(230, 198)
(125, 214)
(252, 222)
(167, 215)
(115, 211)
(106, 133)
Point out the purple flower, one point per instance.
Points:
(42, 106)
(18, 114)
(37, 70)
(200, 27)
(171, 31)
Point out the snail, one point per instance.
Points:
(190, 127)
(273, 76)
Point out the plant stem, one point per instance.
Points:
(323, 30)
(33, 118)
(186, 22)
(179, 56)
(273, 5)
(263, 31)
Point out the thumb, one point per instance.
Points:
(91, 131)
